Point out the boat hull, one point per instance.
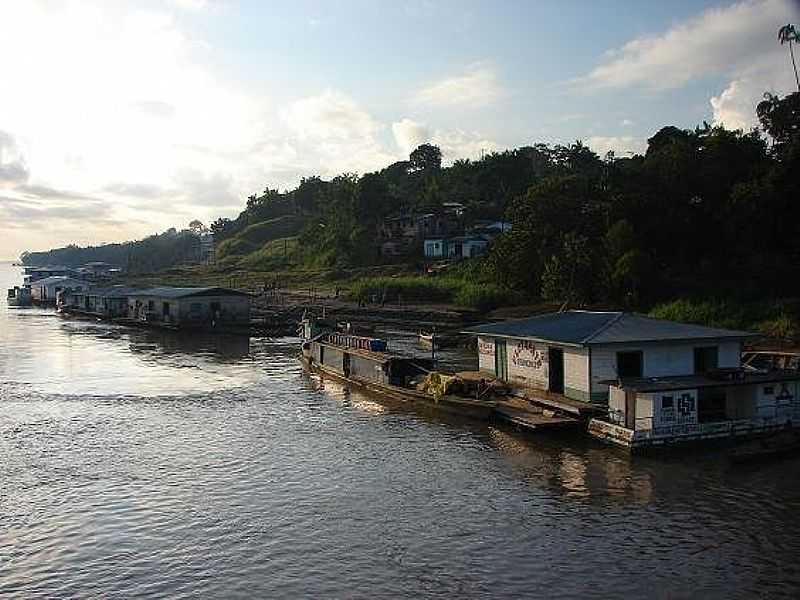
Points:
(465, 407)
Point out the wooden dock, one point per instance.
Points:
(533, 420)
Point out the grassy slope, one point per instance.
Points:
(253, 238)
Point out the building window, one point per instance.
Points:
(706, 359)
(667, 402)
(195, 307)
(629, 364)
(769, 390)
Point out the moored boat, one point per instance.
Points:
(19, 296)
(368, 364)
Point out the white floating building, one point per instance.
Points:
(661, 381)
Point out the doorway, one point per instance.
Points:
(630, 410)
(501, 360)
(555, 359)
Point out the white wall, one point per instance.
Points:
(486, 354)
(576, 369)
(527, 363)
(659, 360)
(616, 405)
(683, 411)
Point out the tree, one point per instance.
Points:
(426, 158)
(197, 227)
(788, 33)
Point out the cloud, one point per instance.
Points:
(476, 87)
(334, 134)
(409, 134)
(729, 40)
(328, 116)
(155, 108)
(621, 145)
(49, 193)
(200, 189)
(735, 107)
(190, 4)
(458, 143)
(13, 169)
(626, 123)
(136, 190)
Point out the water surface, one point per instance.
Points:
(161, 465)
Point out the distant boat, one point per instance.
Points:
(432, 339)
(19, 296)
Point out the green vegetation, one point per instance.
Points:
(775, 319)
(703, 213)
(254, 237)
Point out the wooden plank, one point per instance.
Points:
(534, 420)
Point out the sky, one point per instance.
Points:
(119, 120)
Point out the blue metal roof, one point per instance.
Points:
(582, 328)
(184, 292)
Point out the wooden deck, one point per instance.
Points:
(534, 421)
(561, 403)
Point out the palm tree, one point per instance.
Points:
(788, 33)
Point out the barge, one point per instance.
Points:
(367, 364)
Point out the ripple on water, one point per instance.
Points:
(134, 463)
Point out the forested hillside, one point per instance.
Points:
(706, 211)
(703, 213)
(150, 254)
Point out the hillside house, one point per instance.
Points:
(455, 247)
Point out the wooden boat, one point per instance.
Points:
(367, 364)
(765, 448)
(431, 339)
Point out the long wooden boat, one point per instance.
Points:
(365, 364)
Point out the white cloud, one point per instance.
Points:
(458, 143)
(190, 4)
(331, 115)
(735, 106)
(334, 134)
(454, 144)
(626, 122)
(13, 169)
(476, 87)
(409, 134)
(622, 146)
(731, 40)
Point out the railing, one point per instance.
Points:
(355, 341)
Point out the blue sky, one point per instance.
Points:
(122, 119)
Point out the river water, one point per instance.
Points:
(135, 463)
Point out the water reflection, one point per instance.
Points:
(124, 451)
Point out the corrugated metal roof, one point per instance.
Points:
(578, 327)
(183, 292)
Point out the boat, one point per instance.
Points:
(777, 446)
(367, 363)
(431, 339)
(19, 296)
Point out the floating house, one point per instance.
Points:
(46, 290)
(202, 306)
(661, 380)
(110, 303)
